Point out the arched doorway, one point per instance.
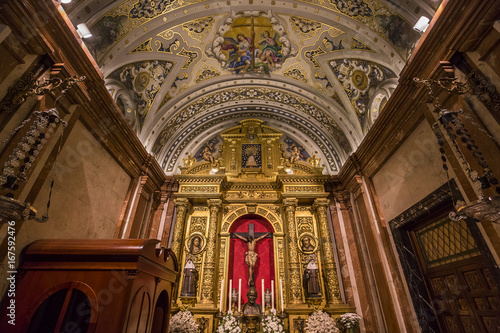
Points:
(160, 316)
(264, 268)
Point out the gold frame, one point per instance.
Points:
(311, 236)
(188, 241)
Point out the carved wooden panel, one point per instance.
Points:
(462, 297)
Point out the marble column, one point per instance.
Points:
(182, 205)
(329, 266)
(207, 289)
(293, 252)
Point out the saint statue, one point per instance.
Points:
(189, 284)
(251, 308)
(251, 161)
(251, 255)
(311, 282)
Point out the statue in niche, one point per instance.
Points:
(190, 277)
(251, 156)
(251, 163)
(251, 255)
(310, 279)
(251, 308)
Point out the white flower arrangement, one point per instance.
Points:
(183, 322)
(228, 324)
(320, 322)
(272, 324)
(349, 320)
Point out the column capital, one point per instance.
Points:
(319, 203)
(342, 195)
(182, 202)
(344, 199)
(214, 203)
(290, 202)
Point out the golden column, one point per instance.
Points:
(293, 252)
(332, 280)
(207, 289)
(182, 206)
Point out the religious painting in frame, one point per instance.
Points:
(251, 156)
(308, 243)
(251, 42)
(195, 243)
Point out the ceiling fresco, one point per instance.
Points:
(179, 69)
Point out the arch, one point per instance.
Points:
(140, 310)
(265, 265)
(330, 151)
(160, 313)
(240, 210)
(66, 290)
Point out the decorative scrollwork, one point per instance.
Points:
(18, 88)
(46, 86)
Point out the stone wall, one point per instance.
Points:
(412, 172)
(87, 197)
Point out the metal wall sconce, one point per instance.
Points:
(29, 147)
(486, 208)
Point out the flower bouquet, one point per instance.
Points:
(183, 322)
(320, 322)
(228, 324)
(349, 320)
(272, 324)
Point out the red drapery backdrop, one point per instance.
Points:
(264, 268)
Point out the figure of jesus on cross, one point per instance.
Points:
(251, 255)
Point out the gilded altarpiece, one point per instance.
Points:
(252, 177)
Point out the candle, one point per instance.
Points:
(281, 292)
(272, 294)
(239, 297)
(221, 294)
(263, 303)
(230, 294)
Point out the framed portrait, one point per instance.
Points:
(195, 243)
(308, 243)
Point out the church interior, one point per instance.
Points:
(249, 157)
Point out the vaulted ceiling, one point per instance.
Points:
(183, 71)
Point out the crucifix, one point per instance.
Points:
(251, 255)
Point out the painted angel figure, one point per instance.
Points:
(207, 153)
(240, 56)
(270, 50)
(296, 153)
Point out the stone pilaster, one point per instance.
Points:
(182, 205)
(207, 289)
(329, 266)
(293, 252)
